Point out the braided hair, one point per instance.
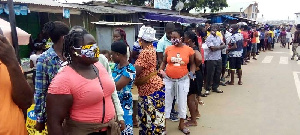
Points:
(56, 30)
(123, 34)
(192, 35)
(75, 38)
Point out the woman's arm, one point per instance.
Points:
(198, 58)
(58, 107)
(31, 64)
(164, 63)
(122, 83)
(192, 64)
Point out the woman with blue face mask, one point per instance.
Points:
(177, 76)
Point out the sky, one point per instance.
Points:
(271, 9)
(276, 9)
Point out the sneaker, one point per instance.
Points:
(292, 58)
(174, 113)
(223, 79)
(174, 118)
(207, 92)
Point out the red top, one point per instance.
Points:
(245, 36)
(201, 49)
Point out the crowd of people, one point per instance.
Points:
(82, 90)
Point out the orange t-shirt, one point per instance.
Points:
(11, 116)
(254, 37)
(177, 60)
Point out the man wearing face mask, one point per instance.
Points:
(213, 61)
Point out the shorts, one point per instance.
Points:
(288, 40)
(224, 60)
(254, 48)
(235, 63)
(196, 84)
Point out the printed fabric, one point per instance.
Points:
(151, 112)
(147, 60)
(237, 39)
(125, 95)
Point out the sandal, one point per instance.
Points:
(200, 102)
(218, 91)
(185, 130)
(229, 83)
(188, 124)
(240, 83)
(203, 95)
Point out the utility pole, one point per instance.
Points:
(12, 21)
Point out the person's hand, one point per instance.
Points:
(122, 125)
(162, 73)
(40, 127)
(7, 52)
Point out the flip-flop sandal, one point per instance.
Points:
(185, 130)
(203, 95)
(218, 91)
(229, 83)
(240, 83)
(190, 125)
(201, 102)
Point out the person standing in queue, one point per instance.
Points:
(151, 100)
(15, 94)
(124, 76)
(162, 44)
(177, 76)
(47, 67)
(81, 93)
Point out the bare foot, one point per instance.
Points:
(191, 124)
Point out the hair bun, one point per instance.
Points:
(48, 27)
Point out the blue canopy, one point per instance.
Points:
(174, 18)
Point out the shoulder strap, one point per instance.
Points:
(97, 73)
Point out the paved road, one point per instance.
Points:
(266, 104)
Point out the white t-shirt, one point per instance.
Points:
(34, 57)
(288, 35)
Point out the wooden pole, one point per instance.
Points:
(12, 21)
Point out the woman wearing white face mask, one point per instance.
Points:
(177, 77)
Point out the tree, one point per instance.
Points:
(213, 5)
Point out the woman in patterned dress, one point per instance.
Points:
(151, 101)
(124, 75)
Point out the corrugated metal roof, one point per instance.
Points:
(100, 9)
(114, 23)
(41, 2)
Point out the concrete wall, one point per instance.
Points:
(297, 21)
(105, 35)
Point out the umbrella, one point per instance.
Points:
(23, 37)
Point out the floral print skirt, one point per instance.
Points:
(151, 112)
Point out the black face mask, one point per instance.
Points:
(209, 29)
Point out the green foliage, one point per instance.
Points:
(213, 5)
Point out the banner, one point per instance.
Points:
(163, 4)
(19, 9)
(66, 13)
(31, 121)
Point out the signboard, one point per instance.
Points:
(163, 4)
(19, 9)
(31, 121)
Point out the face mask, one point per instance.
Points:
(88, 51)
(175, 41)
(140, 42)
